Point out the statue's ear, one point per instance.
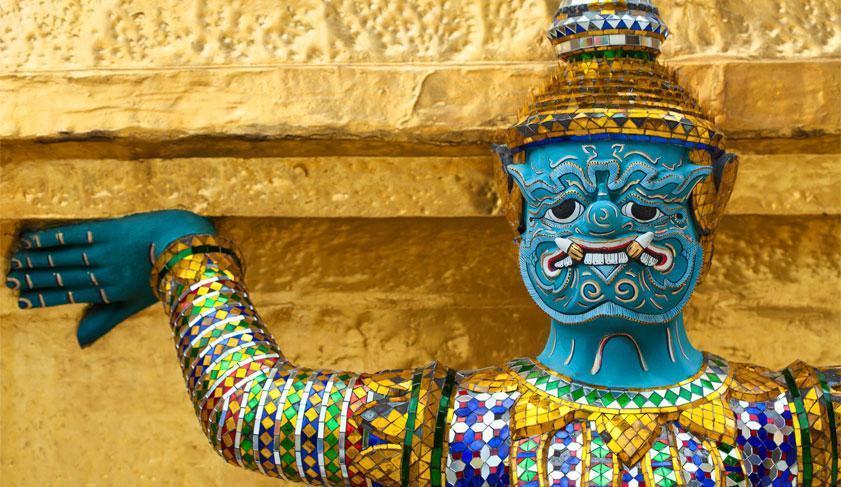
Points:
(711, 195)
(709, 199)
(724, 172)
(506, 158)
(510, 178)
(516, 173)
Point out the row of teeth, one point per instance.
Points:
(601, 259)
(609, 259)
(648, 260)
(595, 258)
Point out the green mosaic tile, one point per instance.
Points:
(704, 384)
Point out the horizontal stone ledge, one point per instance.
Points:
(98, 145)
(405, 103)
(328, 187)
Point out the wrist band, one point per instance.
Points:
(187, 246)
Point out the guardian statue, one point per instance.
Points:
(614, 180)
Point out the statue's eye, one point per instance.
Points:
(566, 212)
(640, 213)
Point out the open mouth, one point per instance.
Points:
(609, 253)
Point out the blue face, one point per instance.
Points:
(609, 231)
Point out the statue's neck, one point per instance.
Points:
(613, 352)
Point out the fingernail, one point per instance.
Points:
(12, 283)
(24, 303)
(25, 243)
(16, 264)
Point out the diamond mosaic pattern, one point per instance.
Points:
(264, 440)
(358, 396)
(767, 440)
(660, 462)
(632, 476)
(564, 466)
(629, 435)
(731, 462)
(526, 468)
(330, 422)
(601, 463)
(262, 414)
(575, 20)
(306, 431)
(711, 380)
(243, 444)
(480, 438)
(694, 455)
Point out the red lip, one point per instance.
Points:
(661, 258)
(555, 259)
(605, 250)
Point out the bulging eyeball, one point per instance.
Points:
(641, 213)
(566, 212)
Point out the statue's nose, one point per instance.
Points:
(603, 217)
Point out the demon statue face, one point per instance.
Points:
(609, 229)
(614, 177)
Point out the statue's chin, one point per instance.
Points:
(611, 310)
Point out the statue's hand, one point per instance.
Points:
(104, 262)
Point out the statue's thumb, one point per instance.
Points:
(99, 319)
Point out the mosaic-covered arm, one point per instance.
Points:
(263, 413)
(813, 396)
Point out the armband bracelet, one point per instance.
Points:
(182, 248)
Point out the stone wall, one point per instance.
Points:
(345, 145)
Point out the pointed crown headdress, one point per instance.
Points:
(610, 86)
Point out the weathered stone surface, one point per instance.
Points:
(334, 290)
(302, 187)
(790, 184)
(796, 99)
(785, 184)
(292, 101)
(138, 34)
(772, 277)
(432, 103)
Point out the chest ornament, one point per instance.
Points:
(630, 420)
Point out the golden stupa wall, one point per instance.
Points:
(345, 146)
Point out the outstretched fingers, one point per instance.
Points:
(63, 277)
(58, 266)
(72, 235)
(52, 258)
(55, 297)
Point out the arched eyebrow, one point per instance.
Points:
(543, 177)
(657, 184)
(638, 171)
(571, 166)
(644, 156)
(563, 160)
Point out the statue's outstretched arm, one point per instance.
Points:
(258, 410)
